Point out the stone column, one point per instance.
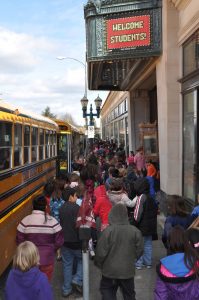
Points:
(169, 104)
(138, 113)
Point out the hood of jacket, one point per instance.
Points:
(115, 196)
(175, 264)
(141, 186)
(26, 279)
(100, 191)
(118, 215)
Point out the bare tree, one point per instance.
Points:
(68, 118)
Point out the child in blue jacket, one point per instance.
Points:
(25, 280)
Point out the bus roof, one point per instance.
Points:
(24, 113)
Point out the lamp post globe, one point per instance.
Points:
(98, 102)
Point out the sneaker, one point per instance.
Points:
(139, 267)
(77, 287)
(65, 295)
(92, 253)
(59, 258)
(148, 266)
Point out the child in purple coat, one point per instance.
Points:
(25, 280)
(178, 273)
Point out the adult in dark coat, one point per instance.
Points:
(118, 247)
(145, 218)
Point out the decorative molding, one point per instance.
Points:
(99, 34)
(189, 29)
(137, 94)
(97, 7)
(180, 4)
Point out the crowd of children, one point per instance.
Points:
(116, 197)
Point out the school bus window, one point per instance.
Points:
(54, 144)
(26, 144)
(41, 144)
(17, 145)
(47, 143)
(5, 145)
(51, 144)
(34, 149)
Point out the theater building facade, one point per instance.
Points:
(146, 53)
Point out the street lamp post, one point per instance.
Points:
(84, 103)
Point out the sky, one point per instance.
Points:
(32, 35)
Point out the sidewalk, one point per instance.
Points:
(144, 279)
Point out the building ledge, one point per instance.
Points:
(180, 4)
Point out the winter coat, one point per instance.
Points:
(55, 205)
(68, 216)
(195, 211)
(172, 221)
(139, 161)
(145, 213)
(119, 246)
(31, 285)
(47, 236)
(102, 205)
(151, 170)
(151, 184)
(130, 160)
(119, 197)
(175, 281)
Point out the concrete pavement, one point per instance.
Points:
(144, 279)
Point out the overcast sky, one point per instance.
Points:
(32, 34)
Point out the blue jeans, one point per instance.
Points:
(146, 258)
(68, 256)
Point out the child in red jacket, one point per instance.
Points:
(102, 205)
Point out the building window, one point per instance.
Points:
(189, 146)
(126, 105)
(112, 131)
(112, 115)
(116, 112)
(191, 54)
(116, 131)
(18, 145)
(121, 132)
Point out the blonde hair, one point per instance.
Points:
(26, 256)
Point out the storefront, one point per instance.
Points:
(114, 119)
(158, 73)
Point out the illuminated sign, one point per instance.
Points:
(131, 32)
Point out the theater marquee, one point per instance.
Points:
(128, 32)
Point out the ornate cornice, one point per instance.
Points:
(180, 4)
(97, 7)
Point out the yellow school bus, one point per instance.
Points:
(28, 151)
(64, 141)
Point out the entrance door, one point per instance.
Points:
(190, 146)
